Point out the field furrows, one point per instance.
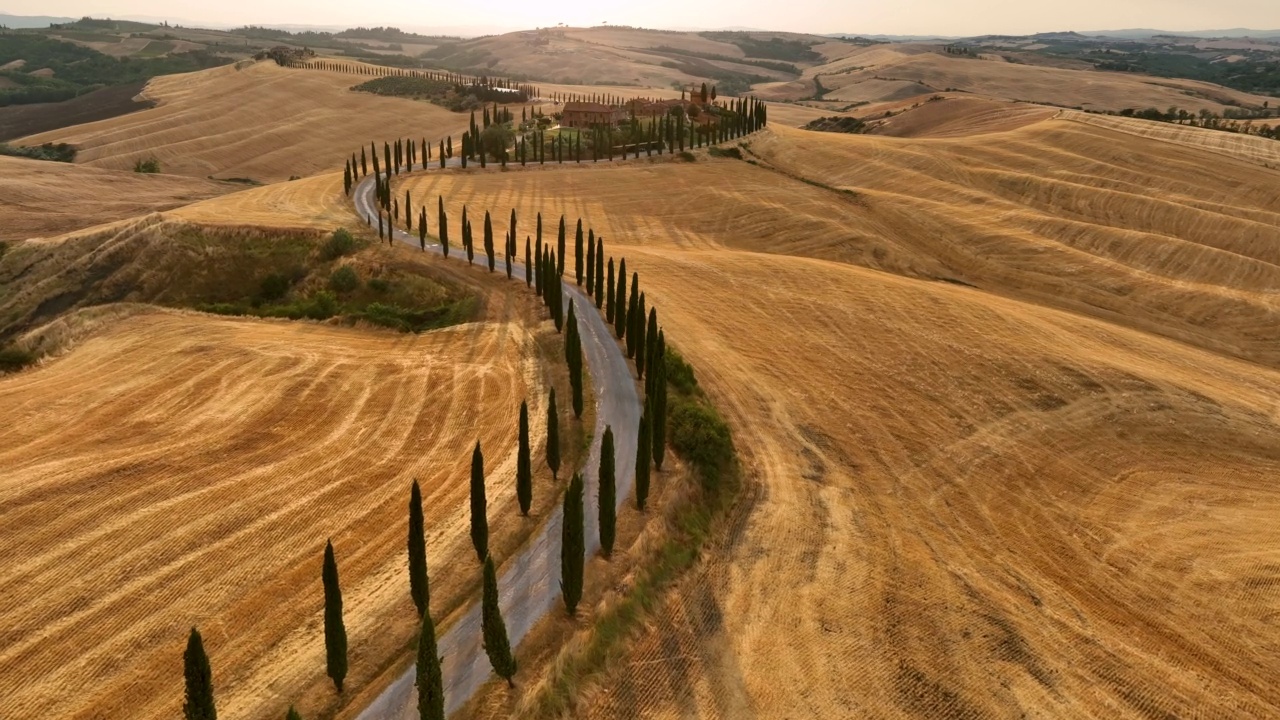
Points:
(180, 470)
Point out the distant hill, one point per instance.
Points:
(31, 21)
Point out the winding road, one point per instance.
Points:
(529, 583)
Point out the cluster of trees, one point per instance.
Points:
(484, 87)
(1208, 119)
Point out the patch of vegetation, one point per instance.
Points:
(782, 67)
(687, 156)
(156, 48)
(339, 244)
(721, 152)
(772, 49)
(148, 166)
(457, 97)
(60, 152)
(837, 124)
(394, 34)
(344, 280)
(13, 359)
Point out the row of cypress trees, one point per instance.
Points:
(483, 81)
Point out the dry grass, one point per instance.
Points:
(261, 122)
(1048, 495)
(40, 198)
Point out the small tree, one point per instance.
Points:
(620, 302)
(528, 262)
(610, 295)
(633, 307)
(494, 629)
(573, 358)
(443, 221)
(659, 418)
(418, 587)
(488, 240)
(591, 262)
(608, 495)
(430, 680)
(479, 506)
(524, 463)
(199, 681)
(577, 252)
(553, 435)
(600, 272)
(335, 632)
(560, 250)
(292, 714)
(572, 546)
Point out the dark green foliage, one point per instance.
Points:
(572, 546)
(524, 463)
(292, 714)
(591, 262)
(488, 240)
(479, 506)
(560, 239)
(343, 280)
(496, 644)
(659, 397)
(335, 632)
(701, 437)
(443, 220)
(577, 252)
(199, 681)
(13, 359)
(553, 434)
(719, 152)
(273, 287)
(620, 302)
(651, 347)
(644, 453)
(418, 583)
(422, 228)
(340, 243)
(837, 124)
(61, 152)
(638, 335)
(608, 495)
(610, 295)
(573, 358)
(633, 313)
(600, 272)
(529, 274)
(429, 680)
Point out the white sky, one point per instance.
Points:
(899, 17)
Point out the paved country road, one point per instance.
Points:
(529, 582)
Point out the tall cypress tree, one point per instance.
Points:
(292, 714)
(659, 418)
(644, 453)
(364, 164)
(335, 633)
(608, 494)
(610, 295)
(418, 587)
(553, 435)
(651, 346)
(430, 680)
(572, 546)
(494, 629)
(479, 506)
(538, 235)
(560, 239)
(599, 271)
(524, 464)
(444, 228)
(577, 253)
(573, 357)
(591, 262)
(199, 681)
(620, 302)
(422, 228)
(639, 336)
(488, 239)
(633, 306)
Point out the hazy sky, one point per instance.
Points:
(903, 17)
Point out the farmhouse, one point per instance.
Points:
(587, 114)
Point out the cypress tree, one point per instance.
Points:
(379, 224)
(386, 156)
(640, 338)
(537, 254)
(524, 464)
(644, 453)
(422, 228)
(577, 252)
(513, 230)
(292, 714)
(599, 271)
(442, 156)
(572, 546)
(430, 680)
(496, 644)
(418, 587)
(335, 633)
(560, 250)
(364, 164)
(466, 237)
(444, 228)
(620, 302)
(199, 681)
(573, 356)
(659, 418)
(591, 262)
(479, 520)
(633, 305)
(488, 240)
(651, 346)
(608, 494)
(408, 211)
(553, 436)
(346, 178)
(528, 259)
(610, 295)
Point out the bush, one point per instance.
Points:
(379, 285)
(222, 308)
(13, 359)
(150, 165)
(687, 156)
(323, 305)
(273, 287)
(679, 373)
(60, 152)
(339, 244)
(700, 436)
(344, 280)
(720, 152)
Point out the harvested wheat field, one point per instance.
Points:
(178, 469)
(40, 198)
(316, 201)
(253, 120)
(1048, 495)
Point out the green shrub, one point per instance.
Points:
(379, 285)
(344, 280)
(13, 359)
(679, 373)
(720, 152)
(273, 287)
(222, 308)
(687, 156)
(150, 165)
(701, 437)
(340, 243)
(322, 306)
(60, 152)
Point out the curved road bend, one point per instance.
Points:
(530, 581)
